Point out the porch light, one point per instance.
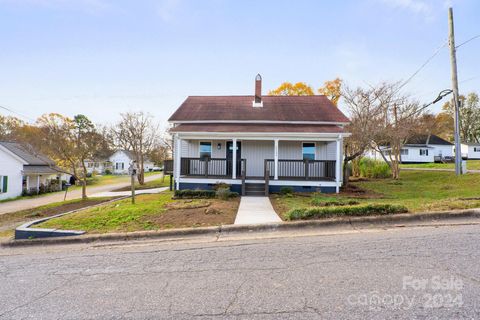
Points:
(219, 146)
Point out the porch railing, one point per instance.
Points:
(210, 167)
(302, 169)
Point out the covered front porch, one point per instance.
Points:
(303, 161)
(40, 179)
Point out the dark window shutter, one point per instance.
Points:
(5, 184)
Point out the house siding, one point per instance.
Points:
(12, 168)
(442, 150)
(256, 152)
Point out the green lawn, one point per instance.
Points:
(117, 216)
(151, 212)
(418, 191)
(471, 164)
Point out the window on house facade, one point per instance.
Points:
(205, 149)
(3, 184)
(308, 151)
(424, 152)
(119, 166)
(404, 152)
(476, 149)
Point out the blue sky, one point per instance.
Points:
(103, 57)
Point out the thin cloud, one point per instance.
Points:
(167, 9)
(419, 7)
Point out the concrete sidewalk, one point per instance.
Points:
(255, 210)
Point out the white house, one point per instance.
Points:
(98, 166)
(421, 149)
(121, 159)
(257, 142)
(21, 168)
(470, 150)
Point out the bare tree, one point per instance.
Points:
(401, 117)
(365, 110)
(138, 133)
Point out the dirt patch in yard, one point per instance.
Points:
(355, 191)
(187, 214)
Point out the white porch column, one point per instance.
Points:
(28, 183)
(38, 182)
(234, 158)
(275, 159)
(338, 166)
(177, 160)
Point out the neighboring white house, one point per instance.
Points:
(470, 150)
(121, 159)
(257, 142)
(21, 168)
(421, 149)
(98, 166)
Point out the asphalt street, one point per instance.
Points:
(401, 273)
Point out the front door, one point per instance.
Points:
(230, 157)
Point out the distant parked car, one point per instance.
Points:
(157, 169)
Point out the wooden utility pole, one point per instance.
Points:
(455, 102)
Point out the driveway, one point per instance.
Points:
(76, 193)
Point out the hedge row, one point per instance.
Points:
(204, 194)
(354, 211)
(194, 194)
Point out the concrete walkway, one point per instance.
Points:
(28, 203)
(254, 210)
(126, 193)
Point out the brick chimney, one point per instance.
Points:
(258, 91)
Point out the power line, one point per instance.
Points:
(472, 38)
(17, 113)
(436, 52)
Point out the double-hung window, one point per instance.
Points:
(404, 152)
(424, 152)
(3, 184)
(205, 149)
(308, 151)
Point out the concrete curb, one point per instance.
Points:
(398, 219)
(26, 232)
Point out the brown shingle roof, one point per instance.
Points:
(275, 108)
(232, 127)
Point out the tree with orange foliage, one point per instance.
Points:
(289, 89)
(332, 89)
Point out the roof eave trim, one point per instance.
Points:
(273, 134)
